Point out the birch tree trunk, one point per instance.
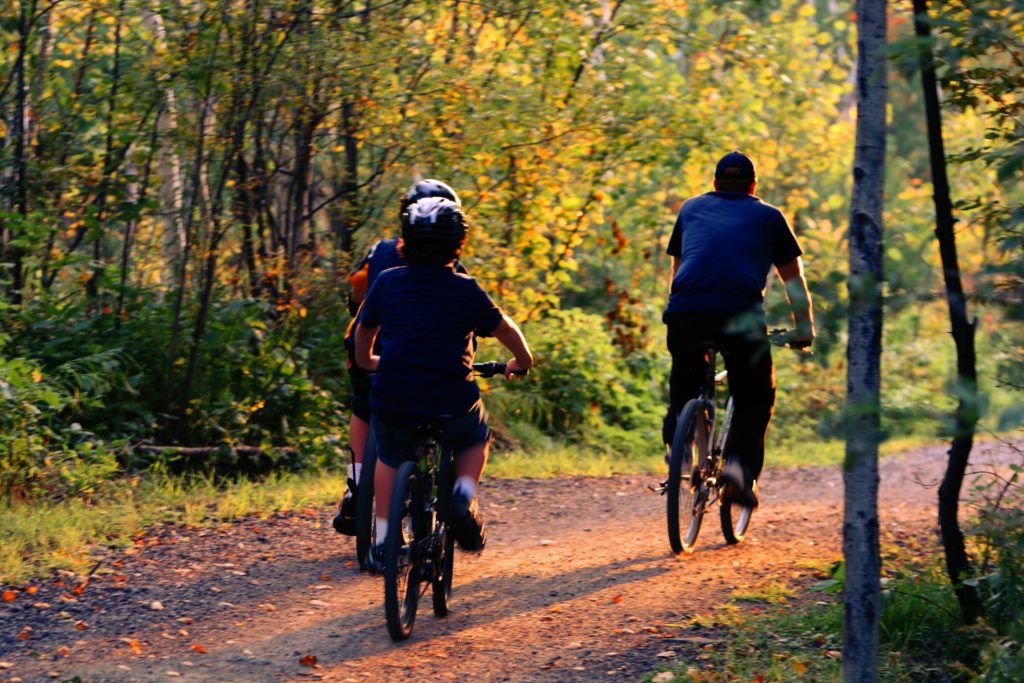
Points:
(863, 353)
(169, 164)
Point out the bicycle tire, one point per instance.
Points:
(366, 513)
(684, 514)
(444, 559)
(402, 563)
(735, 521)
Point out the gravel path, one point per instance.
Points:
(577, 584)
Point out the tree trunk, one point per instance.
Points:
(957, 563)
(863, 353)
(172, 198)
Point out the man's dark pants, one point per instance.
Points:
(744, 346)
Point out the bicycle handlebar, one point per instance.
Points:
(492, 368)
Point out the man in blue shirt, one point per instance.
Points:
(723, 247)
(424, 316)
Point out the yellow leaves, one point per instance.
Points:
(823, 38)
(806, 11)
(63, 63)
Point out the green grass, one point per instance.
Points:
(38, 537)
(783, 632)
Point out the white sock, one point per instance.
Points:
(382, 530)
(467, 485)
(353, 471)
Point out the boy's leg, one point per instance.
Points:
(358, 431)
(471, 436)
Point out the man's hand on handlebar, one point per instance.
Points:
(515, 370)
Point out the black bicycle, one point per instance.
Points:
(419, 548)
(696, 459)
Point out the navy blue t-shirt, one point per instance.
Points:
(727, 243)
(427, 317)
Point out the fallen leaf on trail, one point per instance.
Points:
(617, 599)
(6, 665)
(77, 590)
(322, 587)
(819, 639)
(556, 608)
(186, 620)
(32, 590)
(267, 607)
(664, 677)
(41, 605)
(546, 541)
(318, 603)
(172, 674)
(25, 632)
(800, 667)
(666, 653)
(438, 654)
(80, 625)
(326, 577)
(133, 645)
(308, 660)
(834, 654)
(63, 650)
(198, 648)
(758, 678)
(350, 563)
(8, 596)
(182, 632)
(156, 605)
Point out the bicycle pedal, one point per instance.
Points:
(660, 489)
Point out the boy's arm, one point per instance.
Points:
(792, 273)
(509, 334)
(676, 262)
(365, 336)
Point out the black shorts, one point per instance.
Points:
(397, 442)
(359, 380)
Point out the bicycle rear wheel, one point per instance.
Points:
(686, 494)
(735, 521)
(366, 510)
(402, 562)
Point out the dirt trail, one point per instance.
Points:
(577, 583)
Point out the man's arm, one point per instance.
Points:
(509, 334)
(365, 336)
(792, 273)
(676, 261)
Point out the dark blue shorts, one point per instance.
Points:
(397, 441)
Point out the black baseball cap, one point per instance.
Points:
(735, 165)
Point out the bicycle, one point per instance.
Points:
(419, 548)
(696, 459)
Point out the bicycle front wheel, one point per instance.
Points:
(402, 561)
(444, 550)
(686, 495)
(366, 512)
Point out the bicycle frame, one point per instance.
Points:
(708, 470)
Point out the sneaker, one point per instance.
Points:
(469, 525)
(345, 520)
(734, 487)
(374, 560)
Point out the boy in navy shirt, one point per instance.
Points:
(424, 317)
(383, 255)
